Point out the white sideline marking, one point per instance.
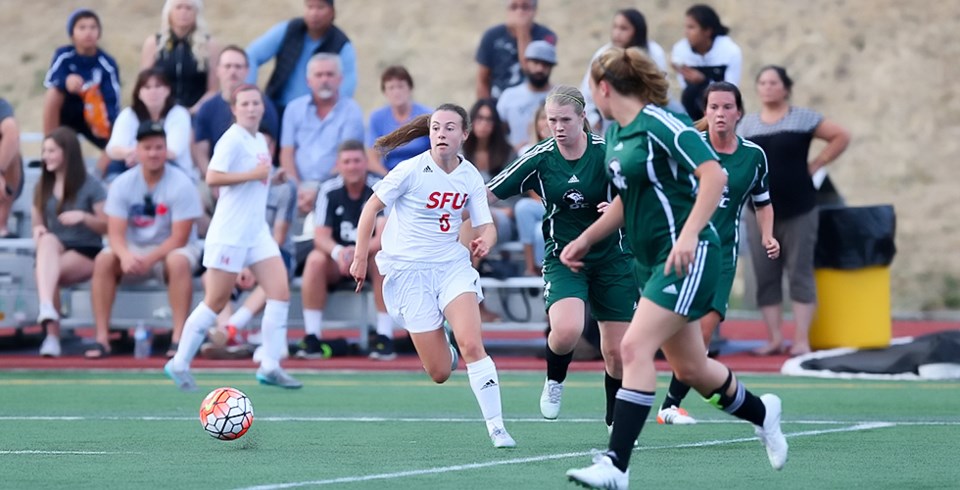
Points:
(548, 457)
(71, 453)
(454, 420)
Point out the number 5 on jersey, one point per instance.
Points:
(445, 222)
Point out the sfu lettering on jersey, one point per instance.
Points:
(441, 199)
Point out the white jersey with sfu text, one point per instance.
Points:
(427, 209)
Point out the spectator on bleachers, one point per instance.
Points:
(11, 165)
(539, 129)
(83, 84)
(706, 54)
(336, 216)
(489, 151)
(397, 85)
(502, 49)
(68, 227)
(151, 101)
(518, 104)
(293, 43)
(313, 127)
(214, 116)
(151, 212)
(785, 132)
(629, 30)
(185, 51)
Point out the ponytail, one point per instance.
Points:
(631, 72)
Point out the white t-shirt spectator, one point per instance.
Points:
(517, 105)
(427, 209)
(150, 214)
(177, 125)
(240, 216)
(723, 62)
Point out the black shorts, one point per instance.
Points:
(89, 252)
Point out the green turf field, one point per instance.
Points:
(398, 430)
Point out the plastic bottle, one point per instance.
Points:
(141, 341)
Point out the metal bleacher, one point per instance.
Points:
(147, 302)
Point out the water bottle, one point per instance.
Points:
(141, 341)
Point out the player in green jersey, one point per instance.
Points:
(669, 183)
(567, 170)
(746, 167)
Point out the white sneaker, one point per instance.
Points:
(636, 443)
(50, 346)
(770, 434)
(501, 439)
(47, 314)
(550, 399)
(601, 474)
(675, 416)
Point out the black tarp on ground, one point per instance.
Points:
(908, 358)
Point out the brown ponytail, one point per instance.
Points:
(631, 72)
(417, 127)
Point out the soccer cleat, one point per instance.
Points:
(454, 356)
(550, 399)
(674, 416)
(501, 439)
(601, 474)
(278, 377)
(770, 434)
(312, 348)
(636, 443)
(183, 379)
(383, 349)
(50, 346)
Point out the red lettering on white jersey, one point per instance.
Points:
(440, 200)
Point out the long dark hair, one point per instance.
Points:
(702, 124)
(497, 145)
(708, 19)
(139, 108)
(639, 23)
(415, 128)
(74, 177)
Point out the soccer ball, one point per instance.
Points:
(226, 413)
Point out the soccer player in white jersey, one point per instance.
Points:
(239, 237)
(427, 272)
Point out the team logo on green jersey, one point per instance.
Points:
(616, 176)
(575, 199)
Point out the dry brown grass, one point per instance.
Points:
(886, 69)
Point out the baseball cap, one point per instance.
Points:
(541, 51)
(150, 128)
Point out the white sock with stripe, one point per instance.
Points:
(486, 387)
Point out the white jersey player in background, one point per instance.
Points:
(427, 272)
(239, 237)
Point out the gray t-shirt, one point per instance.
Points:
(150, 213)
(88, 195)
(281, 208)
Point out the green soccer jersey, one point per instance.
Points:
(746, 170)
(571, 190)
(651, 163)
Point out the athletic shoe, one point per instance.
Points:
(601, 474)
(550, 399)
(454, 356)
(47, 314)
(770, 434)
(636, 443)
(674, 416)
(50, 346)
(312, 348)
(183, 379)
(501, 439)
(383, 349)
(278, 377)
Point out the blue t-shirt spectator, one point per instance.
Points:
(498, 52)
(215, 116)
(100, 68)
(267, 46)
(383, 123)
(314, 140)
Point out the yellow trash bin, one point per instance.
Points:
(853, 308)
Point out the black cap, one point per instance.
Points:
(150, 128)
